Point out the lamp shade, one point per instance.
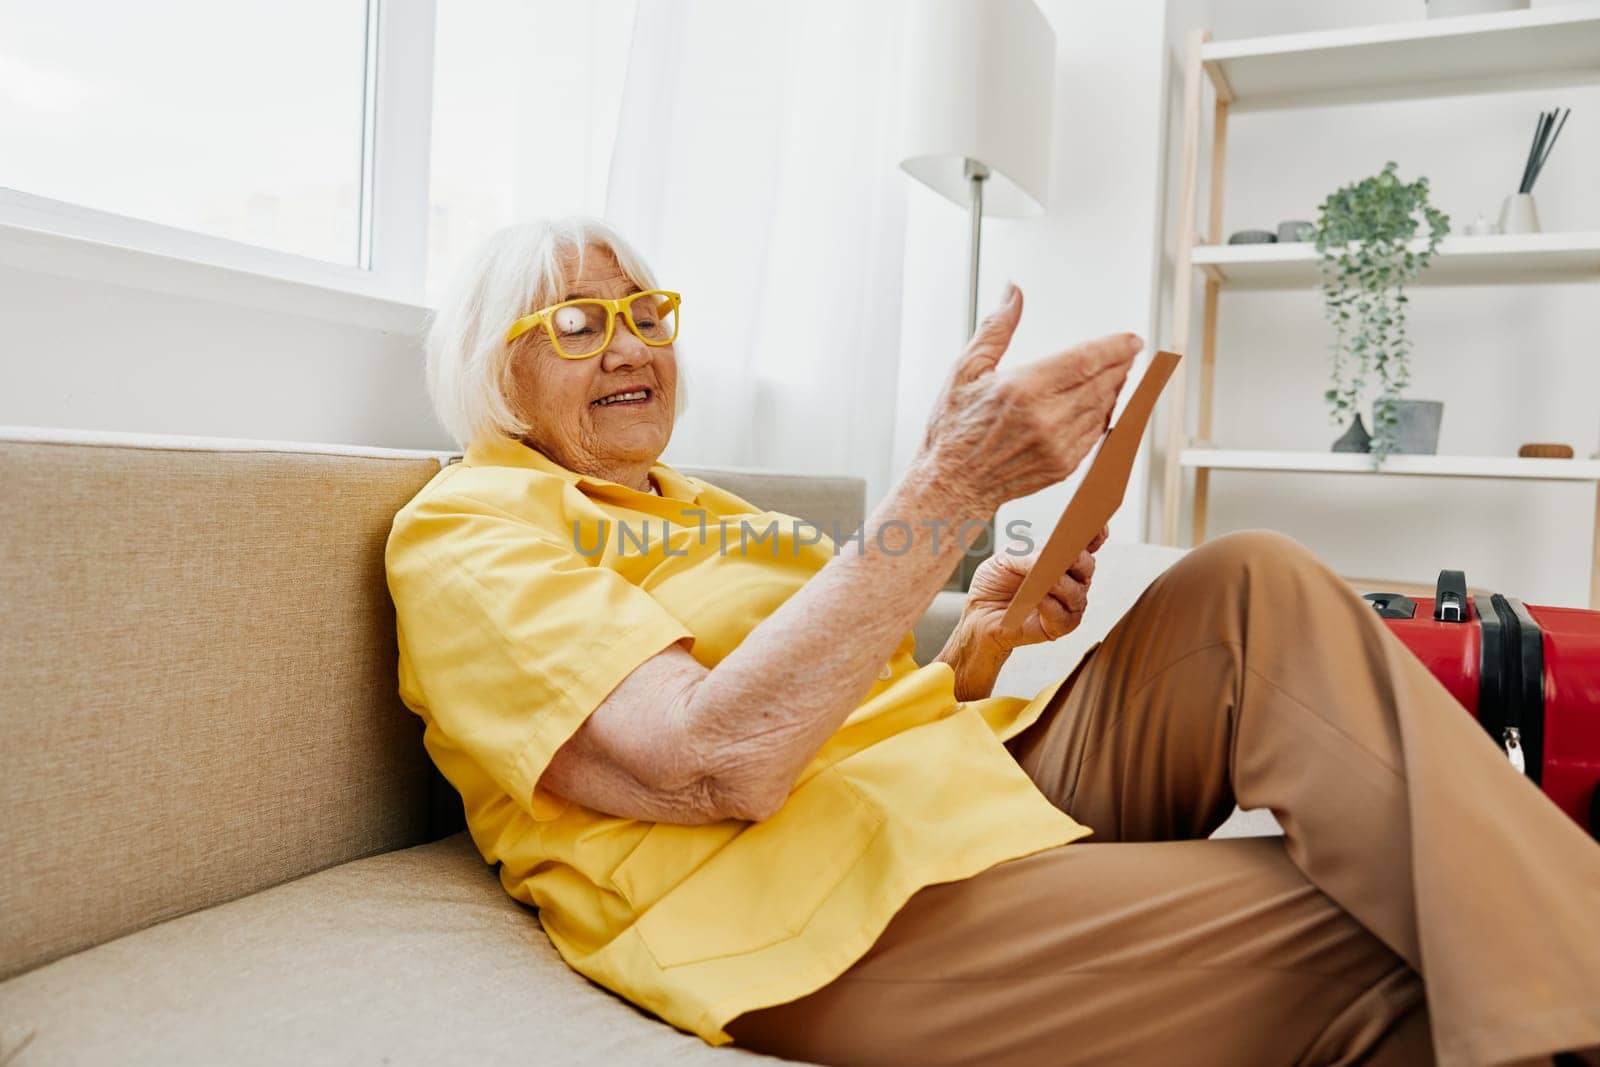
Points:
(979, 84)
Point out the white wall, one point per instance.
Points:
(129, 342)
(1512, 364)
(1088, 266)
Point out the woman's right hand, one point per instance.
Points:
(996, 435)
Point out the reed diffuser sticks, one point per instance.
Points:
(1545, 132)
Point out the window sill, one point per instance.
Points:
(169, 260)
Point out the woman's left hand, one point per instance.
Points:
(978, 647)
(996, 581)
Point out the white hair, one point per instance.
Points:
(513, 272)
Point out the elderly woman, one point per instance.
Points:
(711, 763)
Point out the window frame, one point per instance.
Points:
(387, 285)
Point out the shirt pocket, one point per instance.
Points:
(763, 886)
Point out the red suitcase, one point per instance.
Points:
(1530, 674)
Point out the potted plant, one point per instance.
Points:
(1364, 234)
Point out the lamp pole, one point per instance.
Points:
(976, 174)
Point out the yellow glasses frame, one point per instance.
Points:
(623, 305)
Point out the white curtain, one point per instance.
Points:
(756, 168)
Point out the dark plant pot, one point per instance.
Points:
(1355, 439)
(1417, 431)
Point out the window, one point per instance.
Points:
(525, 105)
(242, 119)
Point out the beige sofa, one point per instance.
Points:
(223, 840)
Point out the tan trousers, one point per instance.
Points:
(1425, 902)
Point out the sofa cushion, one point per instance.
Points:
(413, 957)
(200, 672)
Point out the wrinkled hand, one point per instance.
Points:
(996, 581)
(997, 434)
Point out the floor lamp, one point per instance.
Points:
(976, 119)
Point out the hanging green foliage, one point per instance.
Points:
(1364, 234)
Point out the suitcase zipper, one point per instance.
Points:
(1527, 651)
(1511, 682)
(1511, 741)
(1511, 685)
(1498, 683)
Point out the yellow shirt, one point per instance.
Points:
(524, 593)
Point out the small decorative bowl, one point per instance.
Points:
(1253, 237)
(1295, 230)
(1546, 451)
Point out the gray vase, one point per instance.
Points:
(1355, 439)
(1295, 230)
(1417, 431)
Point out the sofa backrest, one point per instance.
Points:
(198, 657)
(823, 500)
(199, 668)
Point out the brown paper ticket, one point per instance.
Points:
(1097, 498)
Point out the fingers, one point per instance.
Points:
(1068, 598)
(1060, 615)
(1071, 593)
(1108, 356)
(999, 576)
(1082, 568)
(1055, 620)
(993, 336)
(1100, 538)
(1078, 389)
(1019, 564)
(1062, 608)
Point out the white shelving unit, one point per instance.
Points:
(1553, 45)
(1499, 467)
(1507, 259)
(1540, 47)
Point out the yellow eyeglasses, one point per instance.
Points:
(582, 328)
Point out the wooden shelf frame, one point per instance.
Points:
(1444, 57)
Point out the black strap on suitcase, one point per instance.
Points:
(1511, 680)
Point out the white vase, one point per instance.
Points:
(1518, 215)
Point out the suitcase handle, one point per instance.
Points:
(1450, 597)
(1392, 605)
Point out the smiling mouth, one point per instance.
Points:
(624, 399)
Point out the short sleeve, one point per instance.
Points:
(513, 638)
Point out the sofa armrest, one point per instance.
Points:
(1122, 572)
